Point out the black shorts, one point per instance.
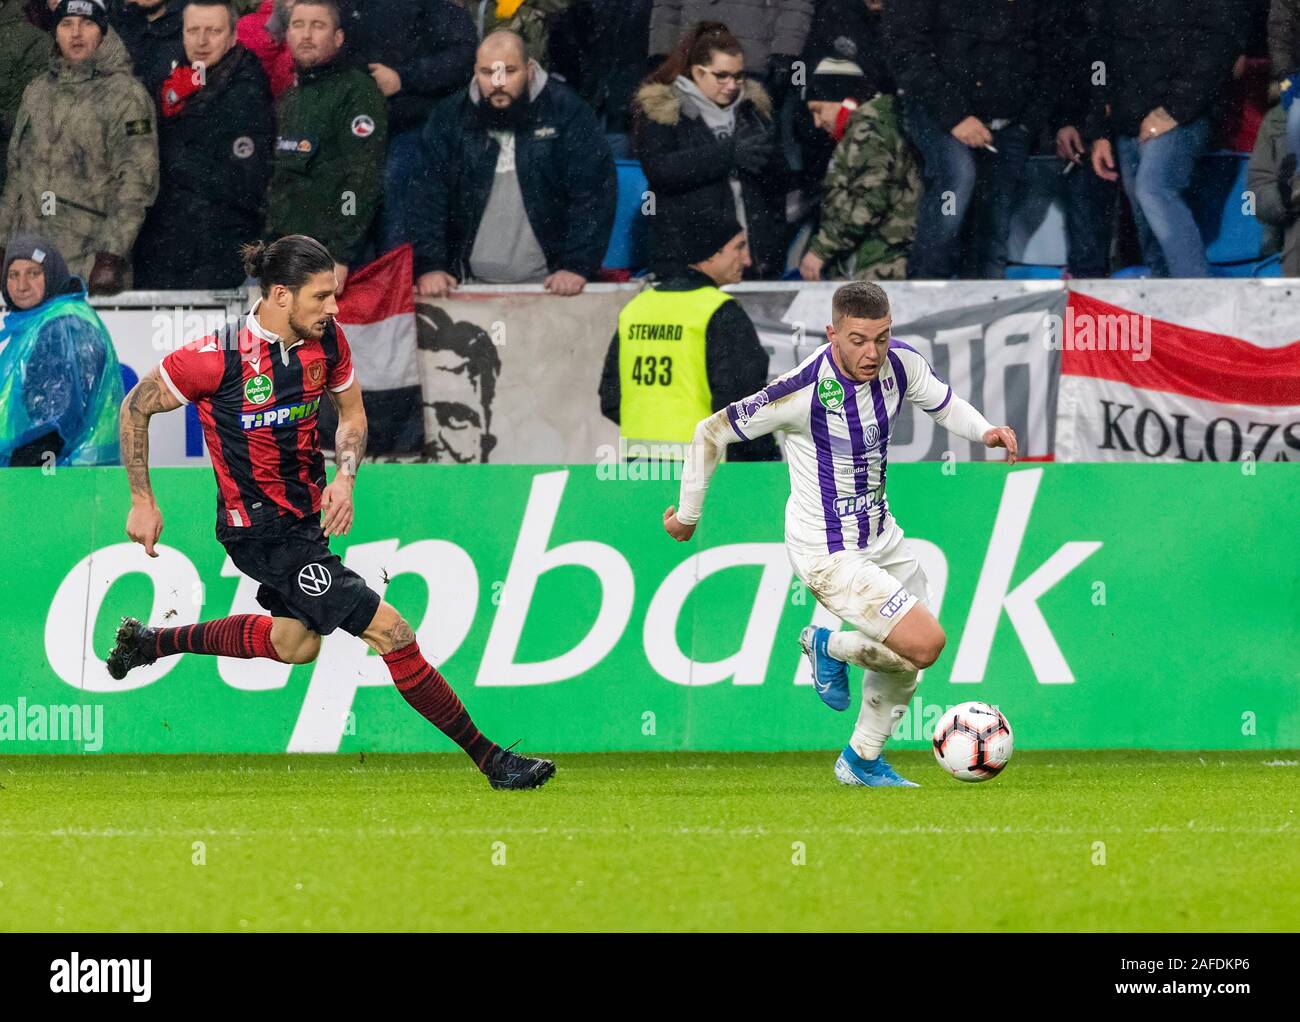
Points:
(300, 576)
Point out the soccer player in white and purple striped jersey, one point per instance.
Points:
(837, 409)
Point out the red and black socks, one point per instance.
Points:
(242, 635)
(428, 692)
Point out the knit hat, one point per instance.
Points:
(836, 80)
(92, 9)
(38, 250)
(706, 235)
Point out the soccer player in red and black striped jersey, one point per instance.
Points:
(257, 387)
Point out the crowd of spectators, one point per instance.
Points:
(886, 139)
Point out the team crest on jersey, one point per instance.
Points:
(749, 407)
(830, 393)
(257, 391)
(362, 126)
(243, 147)
(315, 373)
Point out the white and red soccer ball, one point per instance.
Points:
(973, 741)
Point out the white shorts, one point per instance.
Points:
(869, 589)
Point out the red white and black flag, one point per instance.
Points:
(1137, 389)
(377, 314)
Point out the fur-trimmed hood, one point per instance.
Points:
(662, 104)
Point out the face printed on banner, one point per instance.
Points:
(459, 366)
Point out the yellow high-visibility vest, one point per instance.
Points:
(663, 374)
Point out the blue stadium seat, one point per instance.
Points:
(1232, 234)
(627, 242)
(1022, 271)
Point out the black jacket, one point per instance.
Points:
(566, 176)
(155, 46)
(599, 47)
(968, 57)
(1172, 53)
(735, 361)
(214, 162)
(689, 170)
(429, 43)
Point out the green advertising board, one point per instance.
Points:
(1100, 606)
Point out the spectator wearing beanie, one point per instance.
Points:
(263, 32)
(868, 211)
(685, 349)
(705, 137)
(83, 159)
(1168, 62)
(969, 74)
(848, 30)
(517, 181)
(60, 383)
(215, 138)
(151, 30)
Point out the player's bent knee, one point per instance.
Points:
(930, 648)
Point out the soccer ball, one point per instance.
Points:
(973, 741)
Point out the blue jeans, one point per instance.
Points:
(1155, 175)
(1089, 222)
(403, 158)
(968, 195)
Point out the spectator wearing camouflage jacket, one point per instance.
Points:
(83, 159)
(868, 211)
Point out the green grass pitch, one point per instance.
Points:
(690, 841)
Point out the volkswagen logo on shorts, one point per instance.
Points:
(314, 579)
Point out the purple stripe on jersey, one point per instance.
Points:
(859, 445)
(826, 474)
(899, 372)
(882, 420)
(803, 378)
(940, 406)
(731, 414)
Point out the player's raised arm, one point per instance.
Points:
(145, 400)
(953, 413)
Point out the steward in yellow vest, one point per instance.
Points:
(685, 349)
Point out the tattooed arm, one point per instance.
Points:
(350, 448)
(146, 399)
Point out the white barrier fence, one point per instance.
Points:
(541, 402)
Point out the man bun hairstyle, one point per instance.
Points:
(860, 299)
(291, 261)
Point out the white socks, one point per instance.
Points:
(856, 648)
(885, 695)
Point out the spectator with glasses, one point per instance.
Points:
(706, 139)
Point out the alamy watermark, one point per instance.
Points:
(57, 722)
